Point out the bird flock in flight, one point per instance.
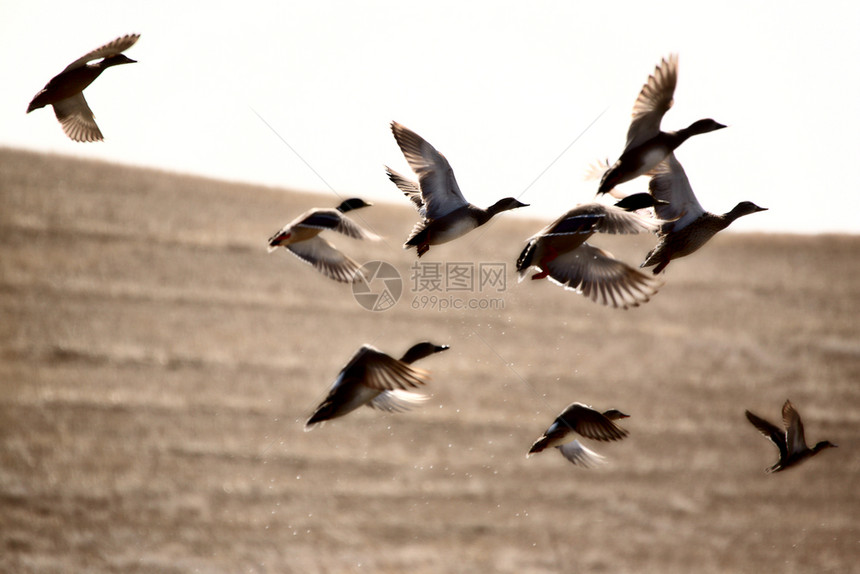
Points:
(558, 252)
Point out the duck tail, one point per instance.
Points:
(524, 261)
(274, 241)
(596, 169)
(539, 445)
(654, 257)
(418, 238)
(40, 100)
(326, 411)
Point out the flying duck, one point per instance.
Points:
(445, 213)
(65, 91)
(791, 441)
(687, 226)
(377, 380)
(646, 144)
(561, 253)
(301, 238)
(583, 420)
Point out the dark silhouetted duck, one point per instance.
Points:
(377, 380)
(301, 238)
(445, 213)
(583, 420)
(560, 252)
(65, 90)
(687, 225)
(646, 144)
(791, 441)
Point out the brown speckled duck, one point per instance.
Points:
(647, 145)
(377, 380)
(583, 420)
(687, 225)
(65, 90)
(445, 213)
(791, 441)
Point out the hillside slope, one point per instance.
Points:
(157, 366)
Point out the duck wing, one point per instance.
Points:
(770, 431)
(580, 455)
(590, 423)
(439, 190)
(117, 46)
(653, 102)
(335, 221)
(795, 441)
(620, 221)
(385, 373)
(326, 259)
(596, 274)
(397, 401)
(579, 220)
(410, 189)
(592, 217)
(77, 119)
(669, 183)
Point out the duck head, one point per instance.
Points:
(505, 204)
(822, 445)
(615, 414)
(639, 201)
(704, 126)
(352, 203)
(116, 60)
(421, 350)
(744, 208)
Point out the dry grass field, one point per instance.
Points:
(157, 366)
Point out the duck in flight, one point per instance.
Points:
(377, 380)
(791, 441)
(583, 420)
(647, 145)
(686, 225)
(559, 251)
(65, 91)
(301, 237)
(445, 213)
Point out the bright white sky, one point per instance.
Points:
(501, 88)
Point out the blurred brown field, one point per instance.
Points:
(157, 366)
